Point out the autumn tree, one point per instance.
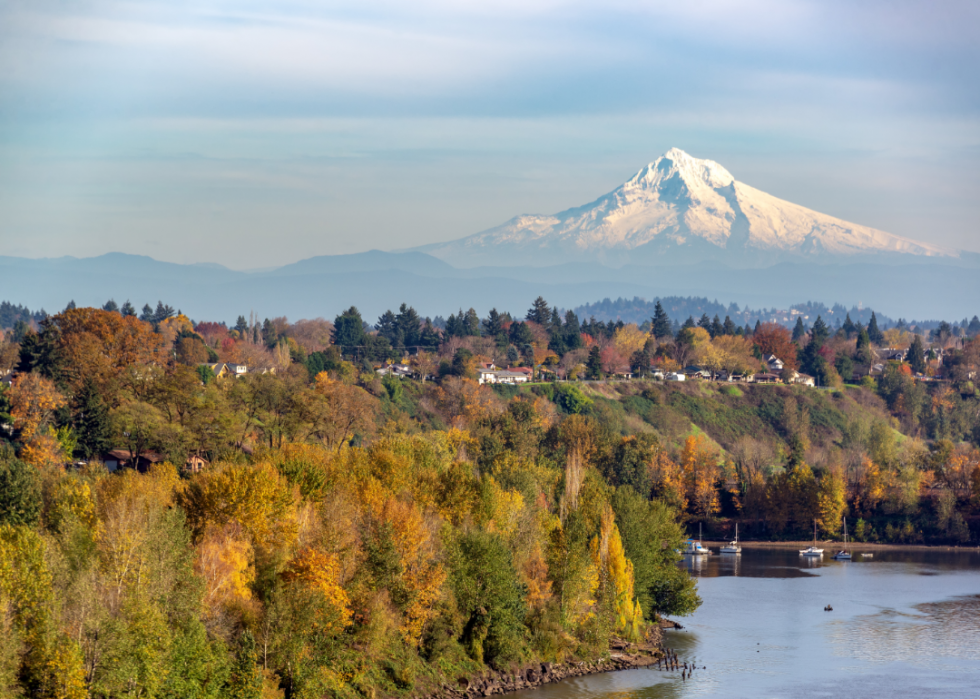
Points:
(701, 474)
(772, 338)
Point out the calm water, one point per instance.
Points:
(903, 625)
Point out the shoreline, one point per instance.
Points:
(622, 656)
(857, 546)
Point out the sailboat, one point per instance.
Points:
(843, 554)
(694, 548)
(733, 546)
(812, 551)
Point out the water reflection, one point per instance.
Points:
(926, 634)
(904, 623)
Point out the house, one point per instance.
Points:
(696, 372)
(116, 459)
(195, 463)
(487, 376)
(766, 377)
(890, 354)
(235, 370)
(774, 363)
(657, 374)
(676, 376)
(803, 379)
(512, 376)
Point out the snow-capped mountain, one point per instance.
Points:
(678, 204)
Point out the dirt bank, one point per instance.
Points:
(622, 656)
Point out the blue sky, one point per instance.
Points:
(257, 133)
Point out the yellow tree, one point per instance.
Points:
(629, 339)
(617, 577)
(320, 571)
(699, 464)
(223, 561)
(831, 501)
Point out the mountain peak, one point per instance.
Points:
(675, 163)
(679, 208)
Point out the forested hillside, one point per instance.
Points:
(325, 509)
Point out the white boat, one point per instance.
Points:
(812, 551)
(733, 546)
(843, 554)
(694, 548)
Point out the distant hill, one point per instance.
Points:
(376, 281)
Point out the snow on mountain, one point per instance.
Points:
(677, 203)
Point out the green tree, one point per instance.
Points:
(593, 367)
(245, 680)
(570, 399)
(90, 418)
(660, 324)
(348, 331)
(874, 332)
(799, 330)
(20, 493)
(489, 597)
(651, 536)
(863, 352)
(539, 312)
(916, 355)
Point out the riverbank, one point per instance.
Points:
(855, 546)
(622, 656)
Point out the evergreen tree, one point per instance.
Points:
(270, 336)
(454, 325)
(429, 338)
(689, 323)
(729, 327)
(387, 327)
(848, 327)
(348, 331)
(471, 324)
(539, 312)
(660, 325)
(799, 330)
(520, 334)
(572, 331)
(162, 312)
(147, 314)
(127, 309)
(90, 418)
(593, 367)
(513, 356)
(110, 306)
(71, 305)
(863, 352)
(716, 328)
(875, 335)
(820, 333)
(409, 326)
(758, 324)
(917, 356)
(241, 325)
(705, 322)
(973, 329)
(493, 324)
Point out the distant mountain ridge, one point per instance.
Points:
(680, 208)
(923, 288)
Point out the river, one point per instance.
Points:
(904, 624)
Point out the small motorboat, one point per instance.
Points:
(843, 554)
(733, 546)
(812, 551)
